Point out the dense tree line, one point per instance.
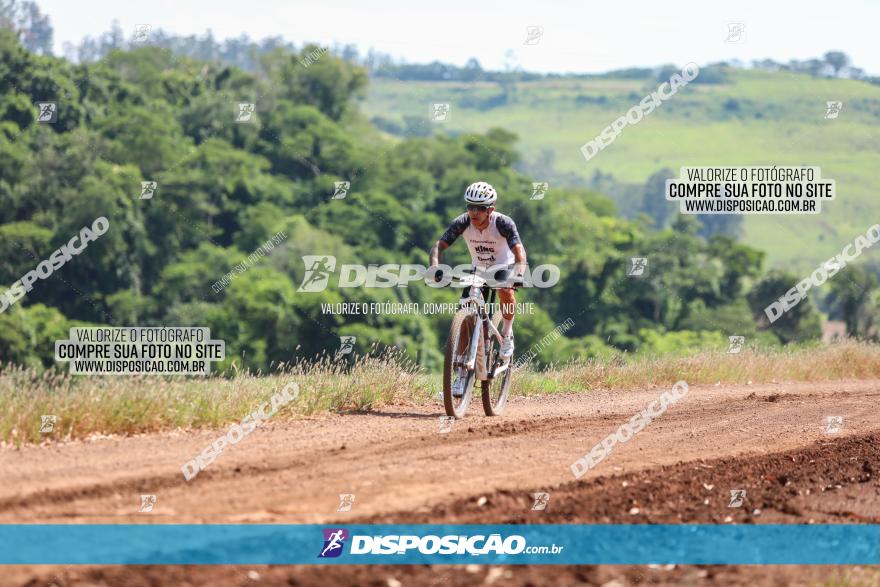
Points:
(224, 186)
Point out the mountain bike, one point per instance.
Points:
(473, 347)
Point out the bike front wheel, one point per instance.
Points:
(496, 390)
(458, 347)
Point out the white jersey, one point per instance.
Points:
(489, 247)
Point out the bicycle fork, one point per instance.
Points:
(475, 337)
(478, 330)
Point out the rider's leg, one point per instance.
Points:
(508, 310)
(464, 340)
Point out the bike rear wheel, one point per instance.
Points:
(495, 390)
(458, 347)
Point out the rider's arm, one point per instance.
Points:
(441, 245)
(519, 253)
(452, 233)
(507, 229)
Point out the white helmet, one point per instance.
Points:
(481, 194)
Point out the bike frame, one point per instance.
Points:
(464, 369)
(477, 303)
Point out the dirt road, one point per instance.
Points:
(771, 439)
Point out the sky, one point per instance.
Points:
(584, 37)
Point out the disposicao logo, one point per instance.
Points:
(334, 542)
(319, 268)
(451, 544)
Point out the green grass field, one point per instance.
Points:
(778, 119)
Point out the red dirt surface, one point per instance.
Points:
(770, 440)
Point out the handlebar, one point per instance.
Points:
(512, 282)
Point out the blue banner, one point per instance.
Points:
(210, 544)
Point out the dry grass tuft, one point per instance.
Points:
(140, 404)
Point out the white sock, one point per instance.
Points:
(506, 326)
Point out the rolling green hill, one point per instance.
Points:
(756, 118)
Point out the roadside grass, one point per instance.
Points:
(141, 404)
(130, 405)
(848, 360)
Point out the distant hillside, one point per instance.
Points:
(754, 117)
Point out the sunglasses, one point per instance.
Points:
(476, 208)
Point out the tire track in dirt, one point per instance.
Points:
(395, 460)
(795, 486)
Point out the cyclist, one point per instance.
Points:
(493, 242)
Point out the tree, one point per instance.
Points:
(853, 298)
(20, 244)
(472, 70)
(31, 25)
(801, 322)
(766, 64)
(148, 137)
(837, 59)
(654, 202)
(28, 334)
(720, 224)
(328, 83)
(742, 264)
